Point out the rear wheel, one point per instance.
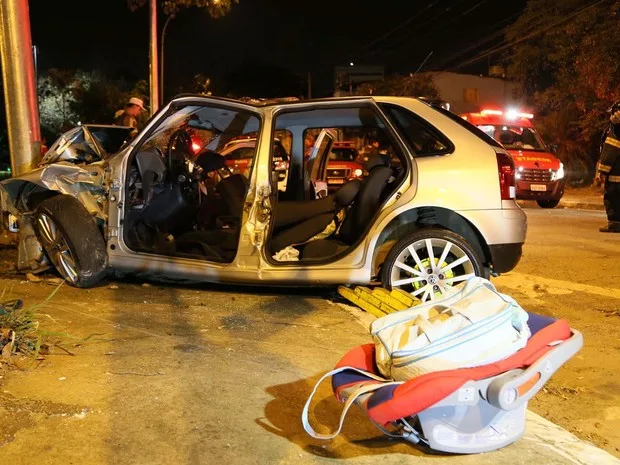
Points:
(428, 262)
(72, 240)
(551, 203)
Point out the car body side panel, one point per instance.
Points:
(442, 181)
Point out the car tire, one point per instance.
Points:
(402, 269)
(551, 203)
(72, 241)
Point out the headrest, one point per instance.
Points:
(377, 160)
(210, 161)
(347, 193)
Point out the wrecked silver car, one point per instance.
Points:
(434, 208)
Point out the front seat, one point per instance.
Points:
(373, 191)
(216, 245)
(233, 188)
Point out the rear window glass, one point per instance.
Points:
(422, 138)
(470, 127)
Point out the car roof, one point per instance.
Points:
(262, 103)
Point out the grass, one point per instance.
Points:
(20, 332)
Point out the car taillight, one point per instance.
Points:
(506, 172)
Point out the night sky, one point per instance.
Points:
(295, 35)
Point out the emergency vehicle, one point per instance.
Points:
(539, 175)
(343, 165)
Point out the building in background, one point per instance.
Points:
(348, 78)
(470, 93)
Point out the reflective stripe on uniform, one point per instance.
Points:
(604, 168)
(613, 142)
(613, 178)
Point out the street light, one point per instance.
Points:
(161, 55)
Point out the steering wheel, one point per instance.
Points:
(178, 154)
(178, 151)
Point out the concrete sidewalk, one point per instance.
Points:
(209, 375)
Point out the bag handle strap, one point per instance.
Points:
(427, 329)
(364, 389)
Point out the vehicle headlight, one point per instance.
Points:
(559, 174)
(358, 173)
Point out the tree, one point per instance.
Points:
(56, 99)
(412, 85)
(67, 97)
(568, 67)
(97, 98)
(215, 8)
(202, 84)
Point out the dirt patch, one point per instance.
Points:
(19, 414)
(580, 397)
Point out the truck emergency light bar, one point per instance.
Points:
(510, 114)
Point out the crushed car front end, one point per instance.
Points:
(74, 166)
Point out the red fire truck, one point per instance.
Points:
(539, 174)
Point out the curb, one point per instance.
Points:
(573, 204)
(581, 205)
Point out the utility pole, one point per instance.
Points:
(20, 88)
(161, 56)
(153, 68)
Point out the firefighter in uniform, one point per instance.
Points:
(608, 171)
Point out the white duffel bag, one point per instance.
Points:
(474, 325)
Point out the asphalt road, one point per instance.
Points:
(571, 270)
(566, 244)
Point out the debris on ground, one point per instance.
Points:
(33, 278)
(52, 281)
(379, 301)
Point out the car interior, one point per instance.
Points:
(319, 227)
(183, 199)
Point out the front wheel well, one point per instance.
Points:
(26, 196)
(427, 217)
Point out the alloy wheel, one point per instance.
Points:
(430, 267)
(57, 248)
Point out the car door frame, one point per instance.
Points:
(246, 263)
(353, 265)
